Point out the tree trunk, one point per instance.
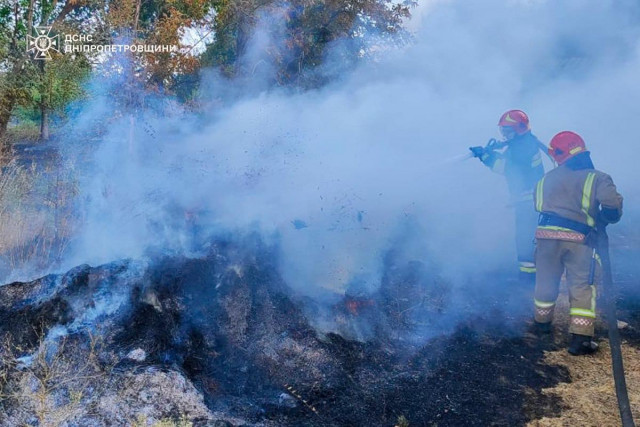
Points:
(44, 121)
(30, 19)
(4, 122)
(44, 107)
(136, 18)
(7, 102)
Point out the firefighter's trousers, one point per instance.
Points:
(526, 223)
(553, 257)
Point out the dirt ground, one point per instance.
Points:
(590, 398)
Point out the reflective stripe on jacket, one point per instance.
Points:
(576, 194)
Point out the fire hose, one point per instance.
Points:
(602, 249)
(494, 144)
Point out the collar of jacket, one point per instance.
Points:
(580, 161)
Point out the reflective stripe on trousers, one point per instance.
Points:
(527, 267)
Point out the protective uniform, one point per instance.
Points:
(520, 160)
(572, 199)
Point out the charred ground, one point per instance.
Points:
(229, 324)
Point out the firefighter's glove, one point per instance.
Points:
(608, 215)
(477, 151)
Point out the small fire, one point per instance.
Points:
(355, 305)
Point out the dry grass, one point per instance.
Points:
(72, 382)
(54, 384)
(590, 399)
(143, 421)
(27, 131)
(36, 221)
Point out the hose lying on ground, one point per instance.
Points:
(612, 324)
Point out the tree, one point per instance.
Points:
(309, 28)
(160, 23)
(47, 86)
(36, 84)
(54, 84)
(300, 34)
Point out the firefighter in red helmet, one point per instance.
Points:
(519, 158)
(573, 200)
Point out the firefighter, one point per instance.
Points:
(519, 158)
(573, 200)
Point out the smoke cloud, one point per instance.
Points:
(332, 174)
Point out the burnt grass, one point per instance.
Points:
(475, 376)
(230, 324)
(628, 308)
(626, 271)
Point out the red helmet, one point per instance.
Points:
(565, 145)
(517, 119)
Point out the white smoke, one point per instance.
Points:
(332, 172)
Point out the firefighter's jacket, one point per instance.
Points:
(572, 198)
(519, 159)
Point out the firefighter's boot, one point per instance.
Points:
(582, 344)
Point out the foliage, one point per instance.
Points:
(301, 32)
(159, 23)
(59, 82)
(38, 85)
(164, 67)
(298, 36)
